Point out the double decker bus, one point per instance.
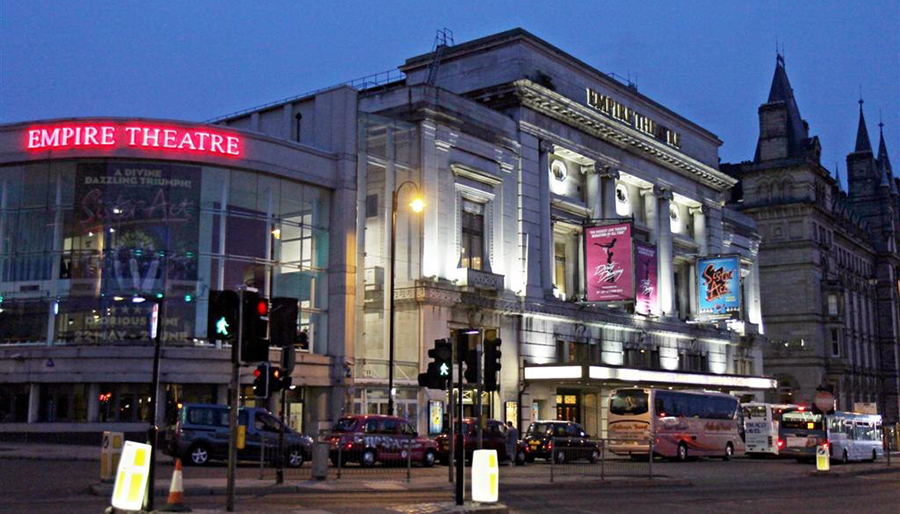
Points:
(761, 424)
(682, 424)
(848, 435)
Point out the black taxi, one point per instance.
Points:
(562, 440)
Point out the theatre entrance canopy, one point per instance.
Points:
(616, 376)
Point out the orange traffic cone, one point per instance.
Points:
(175, 503)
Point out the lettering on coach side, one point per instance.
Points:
(131, 135)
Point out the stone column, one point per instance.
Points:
(93, 402)
(664, 250)
(699, 215)
(608, 183)
(650, 214)
(594, 195)
(34, 402)
(754, 305)
(546, 149)
(580, 287)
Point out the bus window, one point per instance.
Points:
(802, 420)
(755, 412)
(629, 401)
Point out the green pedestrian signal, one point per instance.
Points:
(445, 369)
(222, 318)
(438, 372)
(222, 327)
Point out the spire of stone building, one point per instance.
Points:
(862, 134)
(883, 160)
(789, 140)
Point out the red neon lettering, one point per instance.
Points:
(90, 136)
(169, 138)
(148, 138)
(216, 145)
(186, 141)
(132, 135)
(232, 145)
(82, 135)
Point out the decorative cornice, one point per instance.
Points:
(461, 170)
(546, 146)
(554, 105)
(574, 208)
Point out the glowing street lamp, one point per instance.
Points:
(417, 205)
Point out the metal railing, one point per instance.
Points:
(598, 457)
(393, 456)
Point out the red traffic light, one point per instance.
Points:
(262, 307)
(256, 373)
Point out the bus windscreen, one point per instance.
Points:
(629, 402)
(801, 420)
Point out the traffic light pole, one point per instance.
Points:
(153, 431)
(460, 455)
(279, 473)
(234, 402)
(478, 401)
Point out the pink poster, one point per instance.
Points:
(645, 279)
(608, 263)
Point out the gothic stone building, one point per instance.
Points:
(828, 259)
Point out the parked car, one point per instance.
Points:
(368, 439)
(200, 435)
(570, 440)
(494, 437)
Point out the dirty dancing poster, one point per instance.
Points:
(608, 263)
(645, 273)
(719, 281)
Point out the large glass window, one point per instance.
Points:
(79, 240)
(472, 246)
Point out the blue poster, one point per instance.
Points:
(719, 281)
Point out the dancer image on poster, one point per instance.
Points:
(607, 272)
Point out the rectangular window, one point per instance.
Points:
(371, 205)
(472, 247)
(832, 305)
(559, 269)
(835, 343)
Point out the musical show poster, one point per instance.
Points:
(608, 263)
(142, 218)
(645, 277)
(719, 281)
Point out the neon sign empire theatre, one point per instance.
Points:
(133, 135)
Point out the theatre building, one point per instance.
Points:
(581, 222)
(104, 220)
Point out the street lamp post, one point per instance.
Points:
(417, 206)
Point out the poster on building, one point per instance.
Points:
(719, 283)
(645, 273)
(608, 263)
(137, 230)
(435, 417)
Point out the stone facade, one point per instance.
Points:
(828, 260)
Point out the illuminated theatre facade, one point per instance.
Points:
(580, 220)
(103, 219)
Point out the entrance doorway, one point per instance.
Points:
(568, 406)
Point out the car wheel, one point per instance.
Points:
(874, 455)
(198, 454)
(845, 458)
(729, 452)
(529, 459)
(295, 458)
(429, 459)
(368, 458)
(682, 454)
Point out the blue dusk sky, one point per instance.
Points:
(710, 61)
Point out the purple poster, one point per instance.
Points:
(645, 267)
(608, 263)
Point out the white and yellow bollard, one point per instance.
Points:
(132, 476)
(110, 452)
(823, 459)
(485, 476)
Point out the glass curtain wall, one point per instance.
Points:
(80, 240)
(390, 150)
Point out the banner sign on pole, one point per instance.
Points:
(719, 281)
(608, 263)
(645, 273)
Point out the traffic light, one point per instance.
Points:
(261, 381)
(222, 320)
(255, 343)
(491, 364)
(469, 356)
(439, 370)
(275, 379)
(283, 322)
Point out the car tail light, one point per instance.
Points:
(550, 445)
(780, 443)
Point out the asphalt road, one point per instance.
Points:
(748, 486)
